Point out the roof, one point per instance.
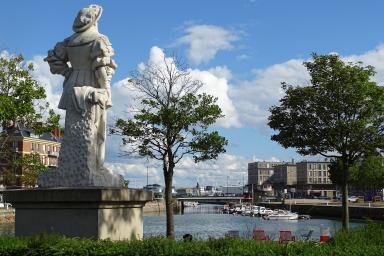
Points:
(29, 133)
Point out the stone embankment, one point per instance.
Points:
(7, 215)
(154, 206)
(159, 206)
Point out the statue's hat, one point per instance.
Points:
(87, 17)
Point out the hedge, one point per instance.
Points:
(366, 240)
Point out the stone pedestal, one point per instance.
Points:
(98, 213)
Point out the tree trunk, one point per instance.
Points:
(169, 205)
(344, 188)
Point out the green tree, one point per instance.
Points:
(171, 122)
(21, 105)
(339, 115)
(368, 173)
(31, 166)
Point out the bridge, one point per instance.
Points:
(215, 199)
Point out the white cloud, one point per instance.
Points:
(272, 159)
(374, 58)
(242, 57)
(219, 88)
(215, 83)
(187, 172)
(221, 72)
(205, 41)
(53, 84)
(252, 98)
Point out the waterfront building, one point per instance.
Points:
(313, 179)
(155, 188)
(185, 192)
(260, 176)
(22, 141)
(233, 190)
(158, 190)
(284, 178)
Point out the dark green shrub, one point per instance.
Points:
(366, 240)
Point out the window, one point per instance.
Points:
(44, 148)
(49, 148)
(324, 173)
(38, 147)
(310, 180)
(32, 147)
(319, 173)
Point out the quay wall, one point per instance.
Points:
(7, 215)
(355, 212)
(159, 206)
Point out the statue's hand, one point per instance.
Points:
(96, 97)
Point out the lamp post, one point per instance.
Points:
(227, 184)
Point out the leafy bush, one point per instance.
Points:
(367, 240)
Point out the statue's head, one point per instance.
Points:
(87, 17)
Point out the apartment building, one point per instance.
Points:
(22, 142)
(313, 179)
(285, 174)
(259, 175)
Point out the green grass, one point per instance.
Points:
(366, 240)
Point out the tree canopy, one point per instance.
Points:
(21, 97)
(338, 115)
(368, 173)
(22, 104)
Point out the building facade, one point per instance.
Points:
(313, 179)
(285, 174)
(23, 142)
(260, 176)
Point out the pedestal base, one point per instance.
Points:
(99, 213)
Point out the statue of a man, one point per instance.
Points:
(85, 60)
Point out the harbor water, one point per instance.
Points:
(206, 221)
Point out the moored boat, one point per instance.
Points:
(191, 204)
(283, 215)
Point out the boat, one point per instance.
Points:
(191, 204)
(304, 217)
(283, 215)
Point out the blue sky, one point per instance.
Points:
(241, 49)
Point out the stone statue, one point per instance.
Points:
(85, 60)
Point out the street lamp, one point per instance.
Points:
(227, 184)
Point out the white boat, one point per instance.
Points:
(265, 211)
(283, 215)
(191, 204)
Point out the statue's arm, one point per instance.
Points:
(103, 65)
(58, 59)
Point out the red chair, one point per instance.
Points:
(286, 236)
(259, 234)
